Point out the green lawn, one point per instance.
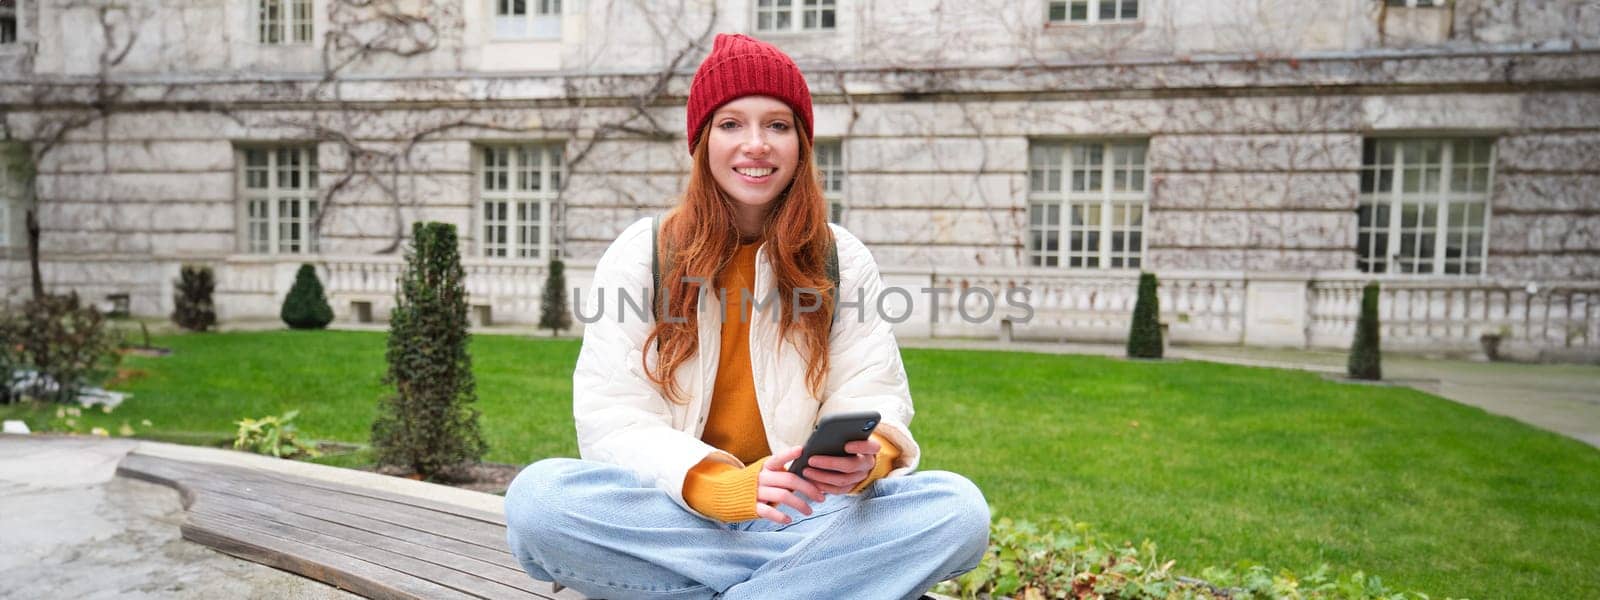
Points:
(1216, 463)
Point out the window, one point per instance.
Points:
(10, 193)
(8, 23)
(1086, 205)
(1424, 206)
(518, 196)
(1092, 11)
(830, 168)
(280, 197)
(527, 19)
(284, 21)
(795, 15)
(1415, 3)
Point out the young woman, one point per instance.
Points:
(686, 423)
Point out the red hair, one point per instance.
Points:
(701, 234)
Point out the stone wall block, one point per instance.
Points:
(66, 242)
(1549, 152)
(956, 190)
(1488, 113)
(176, 125)
(889, 155)
(945, 257)
(426, 156)
(1319, 229)
(216, 156)
(1196, 259)
(360, 221)
(1561, 110)
(1523, 233)
(654, 192)
(1303, 261)
(600, 224)
(1545, 267)
(75, 157)
(634, 156)
(1222, 191)
(937, 226)
(1557, 192)
(193, 244)
(1267, 152)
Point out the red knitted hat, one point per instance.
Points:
(740, 66)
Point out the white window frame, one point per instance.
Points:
(1093, 11)
(14, 194)
(1445, 210)
(517, 207)
(1109, 214)
(799, 16)
(16, 26)
(279, 203)
(539, 19)
(830, 163)
(8, 197)
(285, 22)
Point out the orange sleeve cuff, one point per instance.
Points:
(884, 464)
(722, 491)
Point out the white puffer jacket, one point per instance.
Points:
(626, 420)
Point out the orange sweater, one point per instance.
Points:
(719, 490)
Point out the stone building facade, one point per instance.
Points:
(1264, 157)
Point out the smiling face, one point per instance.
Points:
(754, 150)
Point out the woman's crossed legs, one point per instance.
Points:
(597, 529)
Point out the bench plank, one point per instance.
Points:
(373, 543)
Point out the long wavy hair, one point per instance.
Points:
(702, 237)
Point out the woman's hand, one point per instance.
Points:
(841, 474)
(776, 485)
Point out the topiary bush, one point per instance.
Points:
(1366, 358)
(1144, 337)
(191, 299)
(428, 425)
(306, 307)
(553, 312)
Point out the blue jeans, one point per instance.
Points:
(597, 529)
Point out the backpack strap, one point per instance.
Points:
(831, 265)
(658, 296)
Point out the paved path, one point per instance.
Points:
(70, 529)
(1561, 398)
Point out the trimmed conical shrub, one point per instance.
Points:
(191, 298)
(1144, 337)
(428, 425)
(1366, 357)
(553, 312)
(306, 307)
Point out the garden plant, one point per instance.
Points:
(428, 424)
(306, 306)
(193, 308)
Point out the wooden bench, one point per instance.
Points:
(372, 543)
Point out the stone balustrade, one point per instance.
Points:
(1090, 306)
(1293, 310)
(361, 286)
(1433, 314)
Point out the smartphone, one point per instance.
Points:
(832, 433)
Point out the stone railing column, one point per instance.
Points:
(1276, 310)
